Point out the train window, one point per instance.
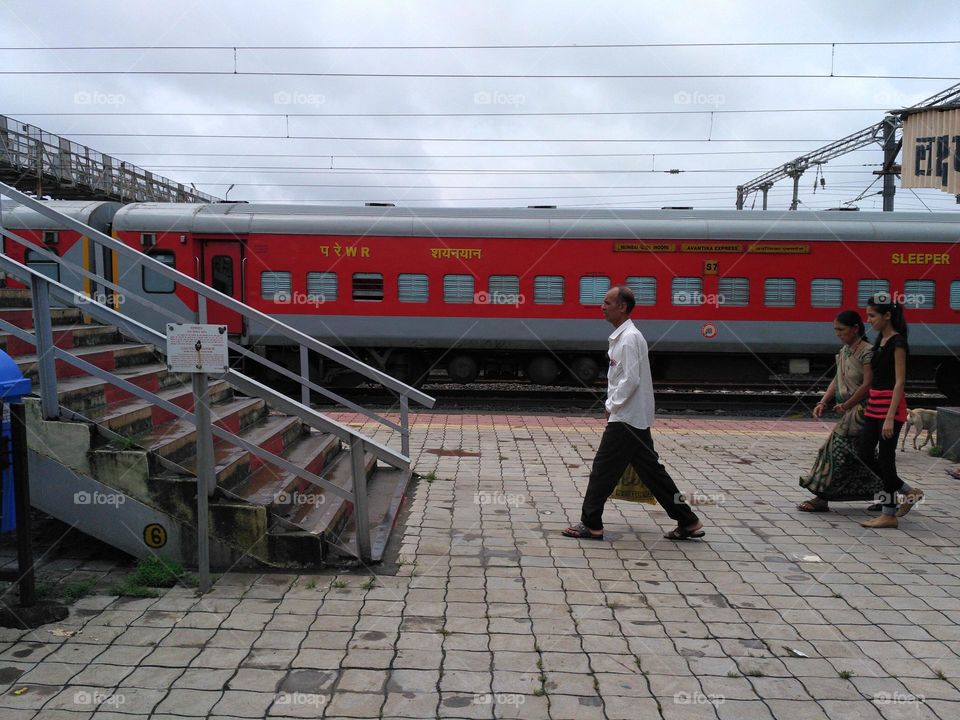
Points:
(919, 294)
(154, 282)
(593, 288)
(36, 261)
(367, 286)
(826, 292)
(322, 286)
(733, 291)
(276, 285)
(412, 288)
(548, 289)
(644, 289)
(504, 289)
(955, 295)
(458, 288)
(687, 291)
(779, 292)
(866, 288)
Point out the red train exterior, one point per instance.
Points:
(526, 283)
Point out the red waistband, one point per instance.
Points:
(878, 405)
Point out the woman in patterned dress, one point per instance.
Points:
(838, 473)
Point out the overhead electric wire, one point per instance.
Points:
(600, 113)
(354, 156)
(436, 171)
(525, 46)
(212, 136)
(492, 76)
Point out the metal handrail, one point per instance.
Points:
(182, 413)
(29, 149)
(141, 333)
(171, 314)
(301, 339)
(43, 287)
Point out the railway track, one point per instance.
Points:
(687, 398)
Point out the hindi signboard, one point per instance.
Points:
(931, 150)
(197, 348)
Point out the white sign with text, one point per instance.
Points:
(197, 348)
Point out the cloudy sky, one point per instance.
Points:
(481, 103)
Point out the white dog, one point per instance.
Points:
(919, 420)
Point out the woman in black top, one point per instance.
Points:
(886, 408)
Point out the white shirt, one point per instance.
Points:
(629, 383)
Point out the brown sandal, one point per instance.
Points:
(682, 533)
(582, 532)
(813, 506)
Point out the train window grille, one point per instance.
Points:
(687, 291)
(458, 288)
(955, 295)
(367, 286)
(918, 294)
(779, 292)
(733, 292)
(276, 285)
(593, 288)
(148, 239)
(322, 286)
(866, 288)
(36, 261)
(154, 282)
(503, 290)
(412, 288)
(826, 292)
(644, 289)
(548, 290)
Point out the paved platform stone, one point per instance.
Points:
(492, 614)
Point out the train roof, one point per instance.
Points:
(96, 213)
(560, 223)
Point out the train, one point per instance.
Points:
(474, 293)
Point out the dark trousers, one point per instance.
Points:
(884, 464)
(623, 445)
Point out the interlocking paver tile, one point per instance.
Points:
(494, 614)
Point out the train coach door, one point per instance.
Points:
(222, 270)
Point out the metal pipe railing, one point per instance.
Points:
(43, 287)
(299, 338)
(168, 313)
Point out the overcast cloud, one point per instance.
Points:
(327, 168)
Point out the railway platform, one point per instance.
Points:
(484, 610)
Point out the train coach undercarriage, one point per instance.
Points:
(417, 367)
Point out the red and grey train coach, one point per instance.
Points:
(516, 292)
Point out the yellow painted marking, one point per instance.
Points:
(155, 535)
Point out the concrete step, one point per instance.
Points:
(15, 298)
(65, 337)
(85, 392)
(133, 417)
(22, 316)
(109, 357)
(276, 488)
(328, 518)
(386, 488)
(176, 440)
(233, 465)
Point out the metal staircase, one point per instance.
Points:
(115, 436)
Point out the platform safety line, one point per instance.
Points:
(598, 429)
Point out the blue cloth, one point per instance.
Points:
(8, 515)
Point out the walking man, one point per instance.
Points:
(626, 439)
